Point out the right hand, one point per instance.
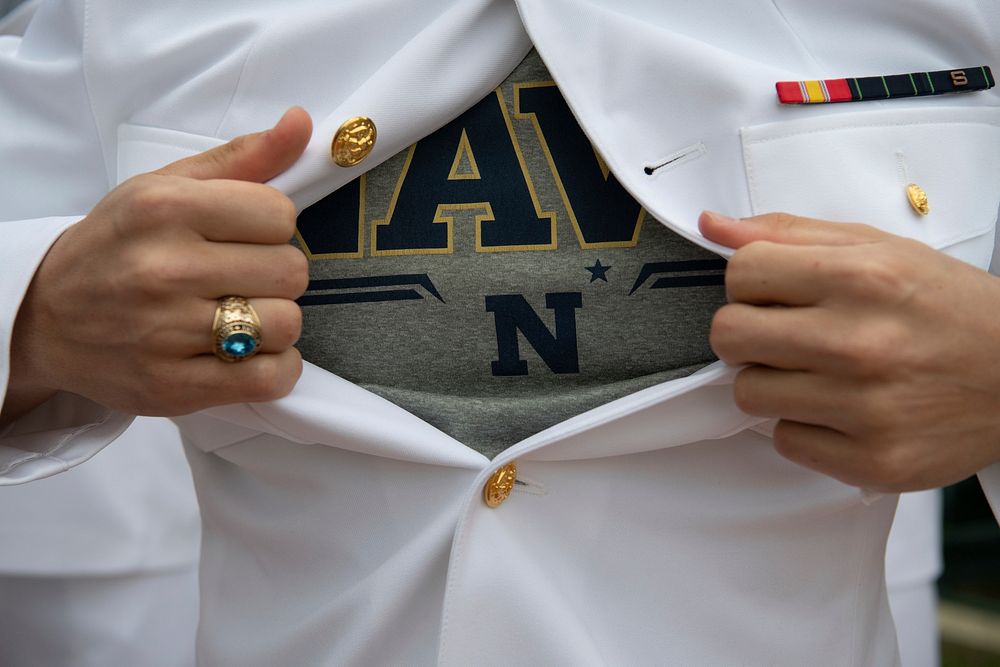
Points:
(120, 310)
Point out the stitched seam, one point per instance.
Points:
(751, 176)
(940, 245)
(51, 451)
(795, 34)
(239, 79)
(455, 563)
(869, 125)
(85, 40)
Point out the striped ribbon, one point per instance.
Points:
(914, 84)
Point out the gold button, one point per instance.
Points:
(499, 486)
(918, 199)
(353, 141)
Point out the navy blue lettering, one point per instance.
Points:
(331, 226)
(500, 186)
(603, 211)
(512, 313)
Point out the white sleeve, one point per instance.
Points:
(53, 172)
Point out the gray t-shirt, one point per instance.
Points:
(494, 279)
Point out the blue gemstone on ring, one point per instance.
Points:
(239, 345)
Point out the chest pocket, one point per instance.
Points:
(856, 166)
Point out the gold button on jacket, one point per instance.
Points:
(499, 485)
(353, 141)
(918, 199)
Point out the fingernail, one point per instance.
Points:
(729, 220)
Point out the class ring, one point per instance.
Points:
(236, 329)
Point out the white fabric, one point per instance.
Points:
(131, 509)
(914, 610)
(141, 620)
(913, 562)
(340, 529)
(913, 555)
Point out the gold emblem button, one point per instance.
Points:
(500, 485)
(918, 199)
(353, 141)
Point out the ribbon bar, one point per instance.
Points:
(914, 84)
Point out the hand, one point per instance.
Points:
(120, 310)
(880, 356)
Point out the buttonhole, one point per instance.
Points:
(529, 486)
(904, 171)
(675, 159)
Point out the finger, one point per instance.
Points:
(207, 381)
(824, 450)
(783, 228)
(214, 270)
(280, 326)
(240, 212)
(187, 331)
(807, 339)
(810, 398)
(767, 273)
(256, 157)
(220, 269)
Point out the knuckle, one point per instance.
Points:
(273, 376)
(153, 200)
(889, 466)
(294, 371)
(785, 443)
(746, 260)
(738, 267)
(874, 276)
(286, 216)
(724, 331)
(744, 394)
(223, 155)
(748, 268)
(262, 384)
(288, 324)
(872, 348)
(858, 353)
(295, 276)
(155, 271)
(875, 413)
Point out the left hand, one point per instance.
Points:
(879, 355)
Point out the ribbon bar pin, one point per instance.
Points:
(914, 84)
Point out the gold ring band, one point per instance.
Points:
(236, 329)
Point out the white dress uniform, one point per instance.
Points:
(661, 528)
(913, 563)
(99, 566)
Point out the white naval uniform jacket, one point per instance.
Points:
(132, 510)
(660, 528)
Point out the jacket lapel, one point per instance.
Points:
(328, 410)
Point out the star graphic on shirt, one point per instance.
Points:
(598, 272)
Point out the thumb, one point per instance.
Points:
(783, 228)
(256, 157)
